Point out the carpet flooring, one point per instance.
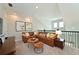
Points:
(22, 49)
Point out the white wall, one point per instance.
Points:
(44, 15)
(41, 17)
(2, 15)
(11, 27)
(9, 22)
(0, 10)
(70, 13)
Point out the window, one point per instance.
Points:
(55, 25)
(58, 24)
(61, 24)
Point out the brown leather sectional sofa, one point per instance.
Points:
(43, 38)
(25, 38)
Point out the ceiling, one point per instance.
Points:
(44, 10)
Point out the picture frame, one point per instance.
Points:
(28, 26)
(20, 26)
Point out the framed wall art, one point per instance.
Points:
(28, 26)
(20, 26)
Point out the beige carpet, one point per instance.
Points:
(22, 49)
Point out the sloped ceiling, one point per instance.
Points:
(44, 10)
(44, 14)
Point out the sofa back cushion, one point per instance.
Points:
(31, 33)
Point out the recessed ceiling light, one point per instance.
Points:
(36, 6)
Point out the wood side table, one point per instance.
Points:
(59, 44)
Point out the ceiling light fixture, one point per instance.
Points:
(36, 6)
